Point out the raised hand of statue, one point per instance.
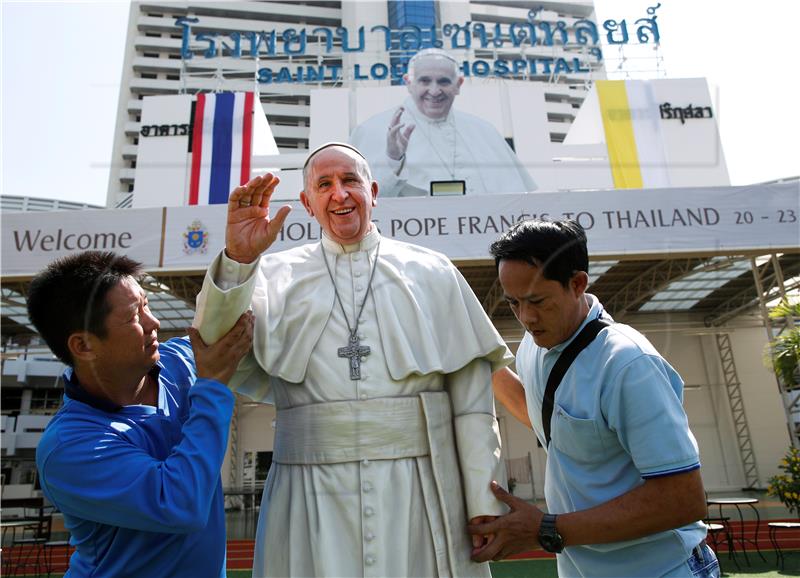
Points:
(250, 231)
(397, 137)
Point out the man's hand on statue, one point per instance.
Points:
(250, 231)
(478, 541)
(514, 532)
(220, 360)
(398, 136)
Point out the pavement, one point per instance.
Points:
(749, 536)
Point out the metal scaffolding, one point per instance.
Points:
(734, 388)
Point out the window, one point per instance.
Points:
(10, 399)
(46, 400)
(410, 13)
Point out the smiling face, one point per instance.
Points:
(130, 345)
(547, 310)
(340, 195)
(433, 84)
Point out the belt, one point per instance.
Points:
(384, 428)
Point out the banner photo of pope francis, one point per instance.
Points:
(426, 145)
(442, 134)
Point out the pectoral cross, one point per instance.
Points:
(355, 352)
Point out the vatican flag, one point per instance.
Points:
(661, 133)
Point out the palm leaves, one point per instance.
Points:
(784, 352)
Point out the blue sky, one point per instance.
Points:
(60, 88)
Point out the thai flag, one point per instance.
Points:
(222, 137)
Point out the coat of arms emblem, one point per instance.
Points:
(195, 239)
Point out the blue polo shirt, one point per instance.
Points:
(139, 486)
(618, 418)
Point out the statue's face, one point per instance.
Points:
(339, 195)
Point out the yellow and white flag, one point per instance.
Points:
(661, 133)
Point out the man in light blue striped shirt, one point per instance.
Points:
(622, 485)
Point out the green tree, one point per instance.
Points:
(784, 358)
(784, 350)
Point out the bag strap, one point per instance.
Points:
(584, 338)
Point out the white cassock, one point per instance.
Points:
(376, 476)
(460, 147)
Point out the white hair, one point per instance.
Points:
(432, 53)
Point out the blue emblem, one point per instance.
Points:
(195, 239)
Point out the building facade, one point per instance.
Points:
(219, 56)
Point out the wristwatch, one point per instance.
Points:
(549, 538)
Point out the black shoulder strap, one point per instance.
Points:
(584, 338)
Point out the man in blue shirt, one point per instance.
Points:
(622, 484)
(133, 457)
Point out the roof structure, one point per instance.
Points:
(710, 289)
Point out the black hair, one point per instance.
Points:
(558, 247)
(70, 295)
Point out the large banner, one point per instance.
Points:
(33, 240)
(619, 224)
(463, 138)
